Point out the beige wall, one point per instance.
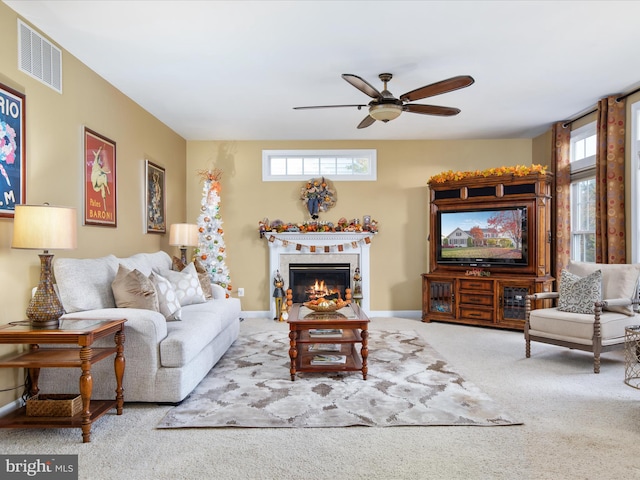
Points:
(54, 125)
(398, 200)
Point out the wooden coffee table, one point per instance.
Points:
(307, 344)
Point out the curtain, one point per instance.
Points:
(610, 221)
(561, 164)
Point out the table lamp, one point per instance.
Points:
(183, 235)
(44, 227)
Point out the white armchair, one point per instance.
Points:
(566, 323)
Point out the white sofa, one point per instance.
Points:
(165, 360)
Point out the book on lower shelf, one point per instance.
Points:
(328, 359)
(324, 347)
(325, 332)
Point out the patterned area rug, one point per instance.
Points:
(408, 384)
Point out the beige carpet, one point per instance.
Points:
(409, 384)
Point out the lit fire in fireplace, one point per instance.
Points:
(320, 290)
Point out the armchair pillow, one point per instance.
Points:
(203, 276)
(578, 294)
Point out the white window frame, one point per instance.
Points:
(635, 182)
(581, 170)
(268, 155)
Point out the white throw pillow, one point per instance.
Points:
(168, 304)
(186, 284)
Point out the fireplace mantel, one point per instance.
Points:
(321, 244)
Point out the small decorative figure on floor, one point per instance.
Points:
(278, 295)
(357, 287)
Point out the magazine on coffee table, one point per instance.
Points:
(328, 359)
(324, 347)
(325, 332)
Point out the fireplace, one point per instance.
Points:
(309, 281)
(350, 248)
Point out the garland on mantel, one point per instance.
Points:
(271, 229)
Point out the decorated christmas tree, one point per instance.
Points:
(211, 249)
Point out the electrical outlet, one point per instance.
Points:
(241, 292)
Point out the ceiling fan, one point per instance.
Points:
(385, 106)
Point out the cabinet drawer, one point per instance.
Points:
(476, 314)
(477, 285)
(473, 299)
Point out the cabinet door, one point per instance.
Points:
(511, 301)
(439, 298)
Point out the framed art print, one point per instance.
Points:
(99, 180)
(12, 151)
(156, 198)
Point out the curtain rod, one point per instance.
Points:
(595, 109)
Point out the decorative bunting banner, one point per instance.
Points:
(319, 248)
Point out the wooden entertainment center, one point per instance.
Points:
(491, 290)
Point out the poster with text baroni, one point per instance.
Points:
(12, 150)
(99, 180)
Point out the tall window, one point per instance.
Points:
(583, 193)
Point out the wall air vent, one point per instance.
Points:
(39, 58)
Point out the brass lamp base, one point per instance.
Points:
(45, 309)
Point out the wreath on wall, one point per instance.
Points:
(318, 195)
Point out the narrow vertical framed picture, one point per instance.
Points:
(100, 204)
(156, 198)
(12, 151)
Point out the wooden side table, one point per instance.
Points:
(81, 332)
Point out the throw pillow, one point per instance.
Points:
(168, 303)
(186, 284)
(132, 289)
(203, 276)
(578, 294)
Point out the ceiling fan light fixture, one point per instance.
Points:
(385, 112)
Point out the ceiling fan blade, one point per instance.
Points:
(368, 120)
(438, 88)
(362, 85)
(431, 110)
(329, 106)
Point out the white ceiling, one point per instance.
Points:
(233, 70)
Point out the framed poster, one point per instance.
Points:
(12, 151)
(156, 198)
(99, 180)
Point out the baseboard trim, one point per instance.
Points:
(10, 407)
(376, 313)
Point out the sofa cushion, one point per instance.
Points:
(200, 324)
(133, 289)
(618, 280)
(85, 283)
(576, 327)
(578, 294)
(147, 262)
(168, 303)
(186, 284)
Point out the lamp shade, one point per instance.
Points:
(44, 227)
(385, 112)
(183, 234)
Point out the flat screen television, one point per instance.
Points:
(482, 237)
